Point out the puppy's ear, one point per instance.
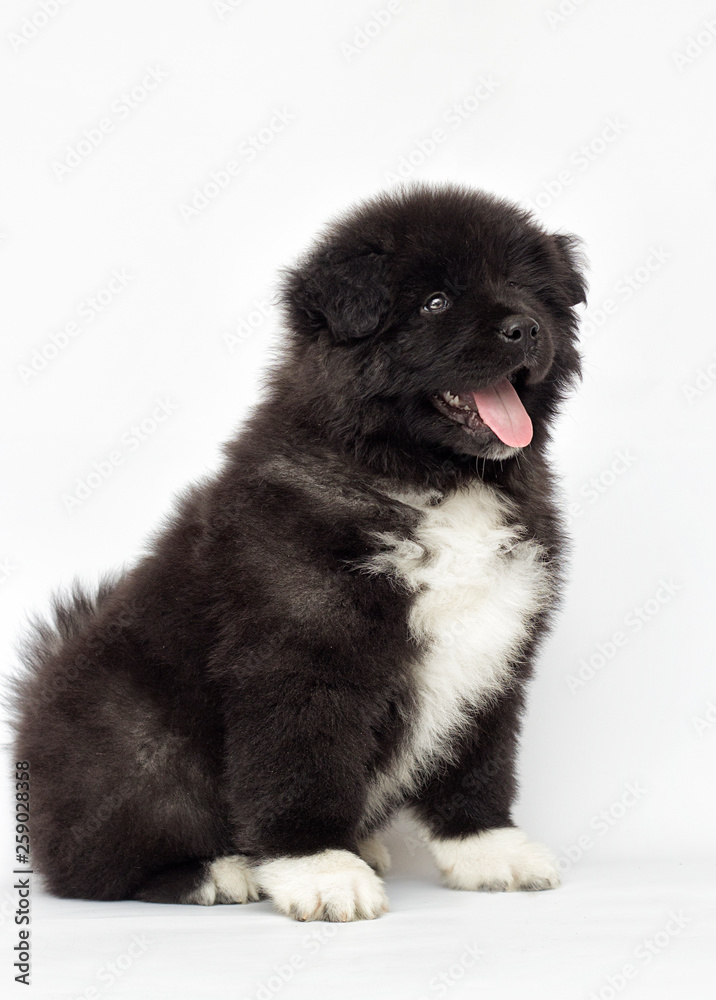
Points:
(570, 268)
(348, 294)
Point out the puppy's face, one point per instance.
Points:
(444, 318)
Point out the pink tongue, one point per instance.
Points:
(501, 409)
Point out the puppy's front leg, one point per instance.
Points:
(466, 813)
(297, 757)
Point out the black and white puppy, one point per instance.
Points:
(342, 621)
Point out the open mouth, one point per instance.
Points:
(497, 407)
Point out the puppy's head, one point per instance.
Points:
(437, 319)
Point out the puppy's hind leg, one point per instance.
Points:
(299, 794)
(228, 879)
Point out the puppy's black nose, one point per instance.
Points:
(522, 330)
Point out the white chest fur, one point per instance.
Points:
(478, 585)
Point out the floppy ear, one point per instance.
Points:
(349, 294)
(571, 263)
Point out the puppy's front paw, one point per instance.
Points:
(332, 885)
(499, 860)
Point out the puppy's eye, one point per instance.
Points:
(437, 302)
(512, 284)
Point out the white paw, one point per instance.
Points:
(500, 860)
(376, 854)
(229, 880)
(332, 885)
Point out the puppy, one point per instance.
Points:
(342, 622)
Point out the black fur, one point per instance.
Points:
(237, 690)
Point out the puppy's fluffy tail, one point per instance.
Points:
(70, 615)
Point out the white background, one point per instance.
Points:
(618, 760)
